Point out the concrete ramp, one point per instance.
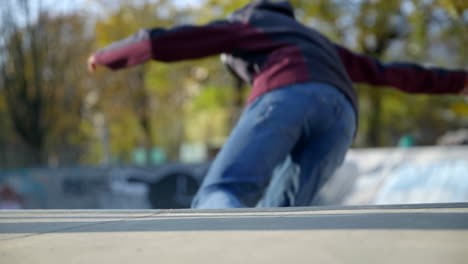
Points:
(373, 234)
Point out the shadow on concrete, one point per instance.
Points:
(155, 223)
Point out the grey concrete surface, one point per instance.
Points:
(375, 234)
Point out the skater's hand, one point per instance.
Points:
(92, 65)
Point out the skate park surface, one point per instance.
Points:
(418, 233)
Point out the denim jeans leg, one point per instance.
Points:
(326, 137)
(265, 134)
(277, 125)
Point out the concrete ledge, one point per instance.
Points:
(436, 233)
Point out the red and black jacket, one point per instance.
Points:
(264, 45)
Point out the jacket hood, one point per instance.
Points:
(283, 7)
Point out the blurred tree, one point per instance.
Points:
(124, 98)
(152, 95)
(379, 24)
(41, 77)
(165, 106)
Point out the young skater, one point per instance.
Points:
(301, 115)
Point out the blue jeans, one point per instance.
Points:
(287, 143)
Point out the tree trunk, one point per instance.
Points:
(375, 118)
(142, 108)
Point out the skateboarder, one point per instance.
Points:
(301, 115)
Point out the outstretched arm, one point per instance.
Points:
(181, 43)
(408, 77)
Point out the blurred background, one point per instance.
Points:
(144, 137)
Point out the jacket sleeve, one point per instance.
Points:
(182, 43)
(407, 77)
